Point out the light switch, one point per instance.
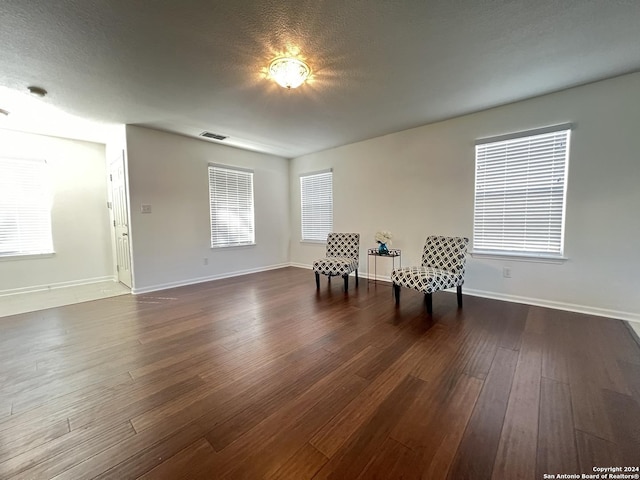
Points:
(144, 208)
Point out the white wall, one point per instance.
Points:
(80, 218)
(169, 172)
(421, 181)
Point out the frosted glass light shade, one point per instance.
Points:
(289, 72)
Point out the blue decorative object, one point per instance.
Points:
(382, 249)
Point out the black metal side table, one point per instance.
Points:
(373, 252)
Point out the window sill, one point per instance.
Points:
(316, 242)
(234, 246)
(520, 257)
(26, 256)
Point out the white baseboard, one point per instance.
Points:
(570, 307)
(306, 266)
(632, 318)
(54, 286)
(193, 281)
(379, 278)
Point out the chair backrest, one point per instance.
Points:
(445, 253)
(343, 245)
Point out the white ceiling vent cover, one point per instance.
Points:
(213, 136)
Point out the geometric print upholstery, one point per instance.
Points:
(343, 245)
(443, 264)
(343, 255)
(445, 253)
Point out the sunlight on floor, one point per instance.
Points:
(56, 297)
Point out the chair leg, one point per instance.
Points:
(396, 291)
(356, 277)
(317, 281)
(459, 292)
(346, 283)
(428, 298)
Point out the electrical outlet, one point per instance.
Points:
(506, 272)
(145, 208)
(206, 261)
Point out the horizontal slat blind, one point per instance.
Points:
(316, 199)
(520, 194)
(25, 208)
(231, 203)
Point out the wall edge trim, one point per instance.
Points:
(210, 278)
(57, 285)
(633, 318)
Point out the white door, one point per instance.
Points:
(121, 219)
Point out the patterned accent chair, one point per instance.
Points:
(343, 257)
(443, 262)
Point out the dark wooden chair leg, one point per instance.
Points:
(356, 277)
(346, 283)
(459, 292)
(428, 297)
(396, 291)
(317, 281)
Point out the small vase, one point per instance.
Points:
(383, 250)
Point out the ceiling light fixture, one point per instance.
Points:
(37, 91)
(289, 72)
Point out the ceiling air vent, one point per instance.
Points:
(214, 136)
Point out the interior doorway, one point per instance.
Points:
(117, 176)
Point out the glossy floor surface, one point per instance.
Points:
(261, 376)
(13, 304)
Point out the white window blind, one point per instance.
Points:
(316, 200)
(25, 208)
(520, 194)
(231, 203)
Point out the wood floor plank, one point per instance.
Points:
(60, 408)
(336, 432)
(535, 322)
(187, 463)
(623, 412)
(556, 439)
(54, 458)
(299, 422)
(631, 373)
(12, 446)
(596, 452)
(477, 452)
(516, 457)
(587, 404)
(261, 376)
(143, 452)
(354, 456)
(270, 395)
(556, 338)
(302, 465)
(131, 402)
(514, 319)
(393, 460)
(448, 427)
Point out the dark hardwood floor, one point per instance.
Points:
(261, 377)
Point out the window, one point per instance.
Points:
(520, 192)
(316, 201)
(231, 203)
(25, 208)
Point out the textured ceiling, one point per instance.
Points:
(378, 66)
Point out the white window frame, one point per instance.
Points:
(316, 206)
(520, 194)
(26, 199)
(231, 206)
